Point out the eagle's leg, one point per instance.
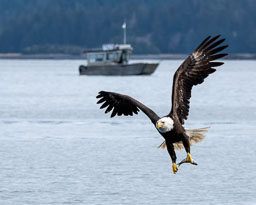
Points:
(172, 154)
(189, 158)
(187, 148)
(174, 167)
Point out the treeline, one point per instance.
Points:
(153, 26)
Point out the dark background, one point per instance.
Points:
(153, 26)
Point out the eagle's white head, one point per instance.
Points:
(164, 124)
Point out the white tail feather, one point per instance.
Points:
(195, 136)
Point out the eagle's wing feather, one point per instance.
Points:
(192, 72)
(123, 105)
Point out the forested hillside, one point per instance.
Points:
(153, 26)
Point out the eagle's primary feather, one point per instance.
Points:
(192, 72)
(124, 105)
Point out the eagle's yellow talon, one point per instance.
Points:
(189, 158)
(174, 168)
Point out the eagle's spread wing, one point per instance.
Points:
(193, 71)
(123, 105)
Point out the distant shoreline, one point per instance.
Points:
(18, 56)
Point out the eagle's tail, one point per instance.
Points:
(195, 136)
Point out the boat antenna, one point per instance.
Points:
(124, 28)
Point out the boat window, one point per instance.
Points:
(113, 56)
(95, 57)
(125, 57)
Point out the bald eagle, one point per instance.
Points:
(192, 71)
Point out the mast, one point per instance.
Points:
(124, 28)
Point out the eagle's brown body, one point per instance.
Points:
(177, 134)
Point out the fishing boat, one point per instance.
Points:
(113, 59)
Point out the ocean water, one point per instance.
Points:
(57, 147)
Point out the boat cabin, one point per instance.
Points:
(110, 54)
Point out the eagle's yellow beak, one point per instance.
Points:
(159, 124)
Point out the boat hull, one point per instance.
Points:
(120, 69)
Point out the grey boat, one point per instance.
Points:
(113, 59)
